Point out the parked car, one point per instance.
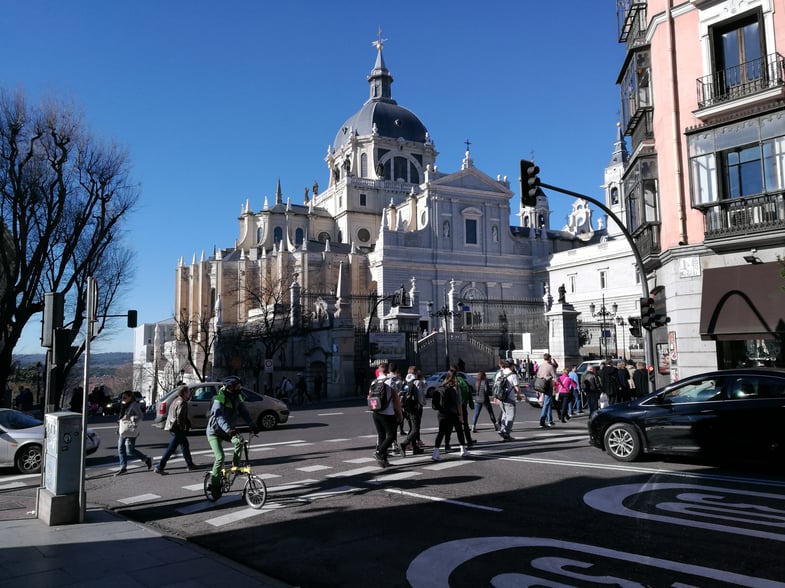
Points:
(22, 441)
(434, 381)
(114, 405)
(527, 390)
(266, 411)
(718, 414)
(581, 369)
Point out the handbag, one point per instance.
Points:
(541, 385)
(128, 428)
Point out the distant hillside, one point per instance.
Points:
(97, 360)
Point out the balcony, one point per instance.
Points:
(647, 239)
(745, 217)
(741, 81)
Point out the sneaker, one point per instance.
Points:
(149, 462)
(508, 438)
(464, 452)
(435, 456)
(120, 472)
(502, 434)
(474, 429)
(161, 472)
(192, 468)
(381, 459)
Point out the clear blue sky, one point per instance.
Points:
(215, 101)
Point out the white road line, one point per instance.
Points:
(194, 487)
(206, 504)
(331, 492)
(291, 486)
(314, 468)
(445, 465)
(355, 472)
(13, 485)
(336, 440)
(438, 499)
(359, 460)
(240, 515)
(138, 499)
(268, 476)
(394, 477)
(303, 444)
(329, 414)
(256, 449)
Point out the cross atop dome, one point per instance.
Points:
(379, 42)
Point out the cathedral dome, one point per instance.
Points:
(381, 115)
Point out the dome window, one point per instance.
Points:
(364, 235)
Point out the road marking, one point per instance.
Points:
(13, 485)
(268, 476)
(439, 499)
(331, 492)
(256, 449)
(394, 477)
(207, 504)
(303, 444)
(241, 515)
(335, 440)
(360, 460)
(314, 468)
(292, 486)
(138, 499)
(194, 487)
(445, 465)
(540, 560)
(321, 414)
(355, 472)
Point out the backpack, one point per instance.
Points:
(436, 400)
(501, 388)
(378, 399)
(409, 401)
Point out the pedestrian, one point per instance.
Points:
(178, 424)
(610, 381)
(592, 387)
(511, 395)
(450, 416)
(128, 431)
(640, 379)
(302, 388)
(575, 407)
(467, 403)
(77, 400)
(623, 375)
(546, 373)
(415, 394)
(386, 419)
(286, 388)
(227, 405)
(565, 387)
(483, 400)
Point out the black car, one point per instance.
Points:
(114, 405)
(727, 413)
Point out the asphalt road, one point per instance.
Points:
(546, 509)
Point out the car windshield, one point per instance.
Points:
(10, 419)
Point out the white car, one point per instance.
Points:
(22, 441)
(434, 381)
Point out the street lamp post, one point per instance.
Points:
(604, 315)
(444, 313)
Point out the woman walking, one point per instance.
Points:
(450, 414)
(483, 399)
(128, 431)
(565, 387)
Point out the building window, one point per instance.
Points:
(324, 237)
(738, 48)
(614, 195)
(743, 171)
(259, 234)
(363, 200)
(603, 279)
(278, 235)
(572, 280)
(298, 237)
(364, 165)
(640, 193)
(471, 231)
(364, 235)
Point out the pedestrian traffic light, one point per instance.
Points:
(132, 319)
(635, 326)
(530, 182)
(647, 313)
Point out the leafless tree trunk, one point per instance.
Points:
(64, 197)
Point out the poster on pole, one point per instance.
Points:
(387, 345)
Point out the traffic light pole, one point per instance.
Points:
(649, 339)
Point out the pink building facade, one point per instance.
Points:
(703, 107)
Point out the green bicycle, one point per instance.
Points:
(254, 489)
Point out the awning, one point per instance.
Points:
(743, 302)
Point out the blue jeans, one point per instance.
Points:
(179, 439)
(545, 413)
(576, 402)
(126, 446)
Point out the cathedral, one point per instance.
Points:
(388, 220)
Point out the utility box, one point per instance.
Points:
(64, 440)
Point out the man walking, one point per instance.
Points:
(591, 386)
(512, 394)
(546, 372)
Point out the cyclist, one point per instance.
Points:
(226, 407)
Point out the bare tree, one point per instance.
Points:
(199, 339)
(64, 197)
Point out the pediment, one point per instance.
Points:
(471, 179)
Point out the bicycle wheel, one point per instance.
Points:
(255, 492)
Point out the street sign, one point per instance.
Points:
(268, 366)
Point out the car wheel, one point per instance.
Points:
(622, 442)
(267, 421)
(28, 460)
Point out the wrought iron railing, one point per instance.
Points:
(745, 215)
(741, 80)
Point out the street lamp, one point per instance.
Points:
(604, 315)
(444, 313)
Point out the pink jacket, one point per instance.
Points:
(564, 384)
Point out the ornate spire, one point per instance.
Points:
(620, 154)
(380, 78)
(278, 194)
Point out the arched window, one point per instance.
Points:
(298, 237)
(278, 234)
(259, 235)
(324, 237)
(364, 165)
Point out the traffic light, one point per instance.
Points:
(529, 182)
(132, 319)
(647, 313)
(635, 326)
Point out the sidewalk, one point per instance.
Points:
(108, 550)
